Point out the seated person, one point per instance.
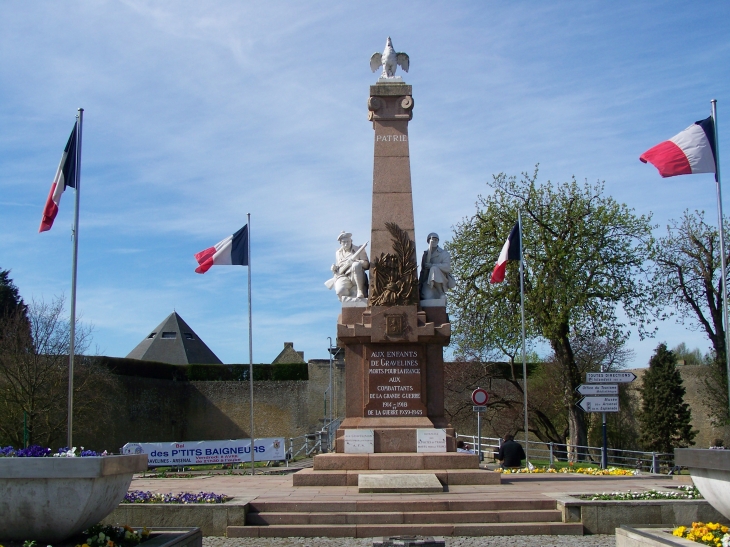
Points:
(461, 446)
(511, 453)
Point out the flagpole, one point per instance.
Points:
(250, 344)
(74, 262)
(713, 104)
(524, 357)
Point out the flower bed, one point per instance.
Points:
(37, 451)
(114, 536)
(139, 496)
(682, 493)
(712, 533)
(615, 471)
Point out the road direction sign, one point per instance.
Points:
(597, 389)
(610, 377)
(599, 404)
(478, 408)
(479, 397)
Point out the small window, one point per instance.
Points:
(189, 336)
(169, 335)
(152, 335)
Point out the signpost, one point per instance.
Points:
(610, 377)
(599, 404)
(479, 397)
(597, 389)
(599, 400)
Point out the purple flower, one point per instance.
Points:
(33, 451)
(139, 496)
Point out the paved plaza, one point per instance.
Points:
(262, 488)
(245, 488)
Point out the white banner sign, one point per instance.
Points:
(208, 452)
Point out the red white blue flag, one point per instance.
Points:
(232, 251)
(510, 251)
(65, 176)
(686, 153)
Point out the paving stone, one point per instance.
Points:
(400, 483)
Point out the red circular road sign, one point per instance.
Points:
(479, 397)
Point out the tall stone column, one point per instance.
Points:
(390, 109)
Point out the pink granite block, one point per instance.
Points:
(389, 173)
(450, 460)
(396, 461)
(332, 461)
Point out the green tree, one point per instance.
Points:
(691, 356)
(10, 300)
(689, 280)
(585, 257)
(665, 417)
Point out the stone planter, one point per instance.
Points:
(650, 537)
(710, 470)
(51, 499)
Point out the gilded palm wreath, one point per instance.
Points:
(394, 279)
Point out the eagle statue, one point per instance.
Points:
(390, 60)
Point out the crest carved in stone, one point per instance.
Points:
(394, 279)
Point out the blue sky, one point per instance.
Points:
(197, 113)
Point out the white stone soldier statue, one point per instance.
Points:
(435, 278)
(349, 278)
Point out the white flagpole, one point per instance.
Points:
(524, 356)
(713, 104)
(250, 343)
(74, 261)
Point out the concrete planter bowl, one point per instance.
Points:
(710, 470)
(51, 499)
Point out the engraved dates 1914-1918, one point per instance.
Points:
(394, 381)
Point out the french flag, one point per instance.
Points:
(232, 251)
(65, 176)
(510, 251)
(687, 153)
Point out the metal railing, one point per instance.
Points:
(653, 462)
(319, 442)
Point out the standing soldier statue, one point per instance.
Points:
(435, 278)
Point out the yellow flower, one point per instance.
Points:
(713, 525)
(679, 532)
(724, 529)
(708, 537)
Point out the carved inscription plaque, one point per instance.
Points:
(394, 381)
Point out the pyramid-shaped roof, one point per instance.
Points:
(174, 342)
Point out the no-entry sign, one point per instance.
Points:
(479, 397)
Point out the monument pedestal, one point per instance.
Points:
(394, 374)
(394, 387)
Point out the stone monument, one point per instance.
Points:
(393, 345)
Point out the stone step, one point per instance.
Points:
(379, 530)
(402, 505)
(313, 477)
(425, 517)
